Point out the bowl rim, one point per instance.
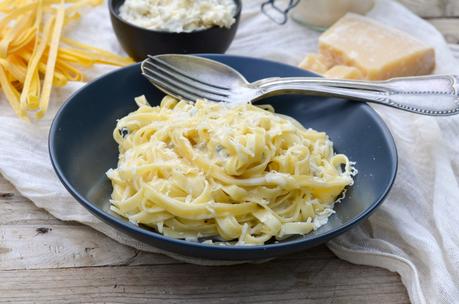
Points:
(131, 228)
(116, 15)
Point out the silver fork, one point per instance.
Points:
(192, 77)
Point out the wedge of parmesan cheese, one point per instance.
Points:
(378, 51)
(316, 63)
(343, 72)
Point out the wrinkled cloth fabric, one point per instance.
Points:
(413, 233)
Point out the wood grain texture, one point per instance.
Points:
(433, 8)
(30, 238)
(44, 260)
(296, 279)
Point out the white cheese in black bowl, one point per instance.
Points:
(151, 27)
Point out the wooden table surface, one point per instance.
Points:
(44, 260)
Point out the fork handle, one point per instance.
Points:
(436, 95)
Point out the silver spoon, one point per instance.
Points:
(192, 77)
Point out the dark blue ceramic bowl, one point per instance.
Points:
(139, 42)
(82, 150)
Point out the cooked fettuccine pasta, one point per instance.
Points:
(239, 174)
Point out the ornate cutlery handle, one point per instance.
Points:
(436, 95)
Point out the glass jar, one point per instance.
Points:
(318, 14)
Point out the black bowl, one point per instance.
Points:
(139, 42)
(82, 150)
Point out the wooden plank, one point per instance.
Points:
(27, 247)
(54, 246)
(433, 8)
(449, 27)
(59, 259)
(30, 238)
(293, 280)
(14, 209)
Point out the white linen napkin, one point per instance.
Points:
(414, 232)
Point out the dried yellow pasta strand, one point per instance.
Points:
(71, 17)
(90, 58)
(38, 23)
(15, 8)
(19, 65)
(26, 38)
(24, 22)
(77, 4)
(54, 46)
(15, 72)
(72, 6)
(12, 95)
(113, 61)
(97, 54)
(59, 79)
(27, 30)
(28, 66)
(71, 12)
(31, 88)
(85, 46)
(87, 59)
(5, 7)
(15, 14)
(69, 71)
(65, 68)
(34, 61)
(74, 56)
(33, 95)
(12, 5)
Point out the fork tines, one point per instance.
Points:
(179, 82)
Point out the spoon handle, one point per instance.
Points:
(436, 95)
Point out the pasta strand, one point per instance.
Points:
(235, 173)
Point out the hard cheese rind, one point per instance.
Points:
(378, 51)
